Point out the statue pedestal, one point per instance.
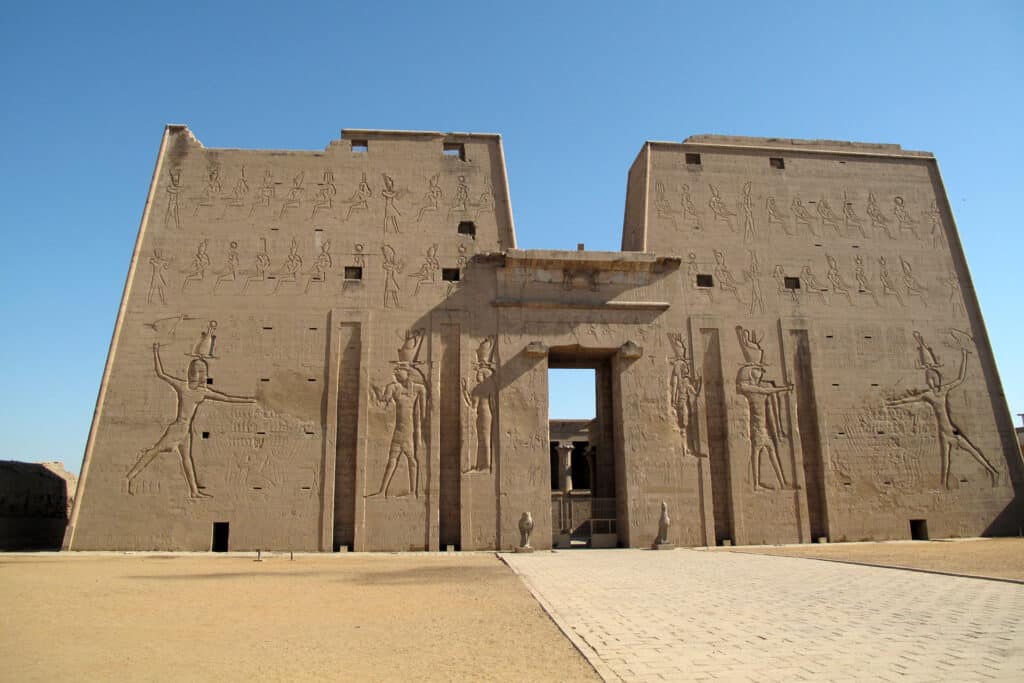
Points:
(524, 549)
(663, 546)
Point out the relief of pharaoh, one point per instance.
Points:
(936, 396)
(190, 394)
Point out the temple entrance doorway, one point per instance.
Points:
(583, 511)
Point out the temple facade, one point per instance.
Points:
(346, 350)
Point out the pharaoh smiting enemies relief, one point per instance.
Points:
(190, 392)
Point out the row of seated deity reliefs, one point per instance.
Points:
(298, 199)
(289, 275)
(769, 411)
(870, 288)
(759, 220)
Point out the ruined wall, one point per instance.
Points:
(278, 320)
(829, 279)
(35, 500)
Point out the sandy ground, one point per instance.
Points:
(227, 618)
(991, 557)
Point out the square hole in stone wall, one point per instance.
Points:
(455, 149)
(705, 280)
(467, 228)
(353, 273)
(777, 162)
(792, 283)
(450, 274)
(693, 159)
(361, 146)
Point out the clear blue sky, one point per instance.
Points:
(574, 88)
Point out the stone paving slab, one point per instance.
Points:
(697, 615)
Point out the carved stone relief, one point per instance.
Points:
(432, 198)
(719, 209)
(935, 395)
(158, 280)
(200, 262)
(190, 393)
(392, 266)
(407, 392)
(391, 212)
(321, 266)
(359, 201)
(765, 426)
(684, 392)
(427, 274)
(480, 396)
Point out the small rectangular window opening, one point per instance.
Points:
(705, 280)
(209, 380)
(919, 529)
(455, 149)
(264, 379)
(792, 283)
(353, 273)
(692, 159)
(311, 379)
(450, 274)
(361, 146)
(220, 537)
(467, 228)
(777, 162)
(206, 435)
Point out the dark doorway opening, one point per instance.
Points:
(581, 428)
(220, 537)
(919, 529)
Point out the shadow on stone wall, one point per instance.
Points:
(35, 499)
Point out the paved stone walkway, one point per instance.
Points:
(697, 615)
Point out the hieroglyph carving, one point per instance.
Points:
(747, 206)
(481, 398)
(723, 276)
(190, 393)
(158, 281)
(689, 208)
(325, 194)
(684, 389)
(835, 279)
(407, 392)
(227, 274)
(432, 198)
(260, 268)
(765, 425)
(752, 275)
(296, 192)
(391, 212)
(211, 192)
(200, 262)
(775, 215)
(719, 209)
(292, 265)
(173, 190)
(321, 266)
(936, 396)
(360, 198)
(392, 266)
(427, 274)
(263, 198)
